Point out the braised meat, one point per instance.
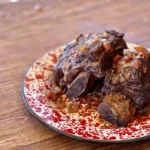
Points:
(80, 85)
(116, 109)
(86, 60)
(130, 77)
(102, 63)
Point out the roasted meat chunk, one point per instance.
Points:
(103, 63)
(86, 60)
(81, 83)
(116, 109)
(130, 77)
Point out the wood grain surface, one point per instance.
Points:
(28, 29)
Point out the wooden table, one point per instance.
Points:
(28, 29)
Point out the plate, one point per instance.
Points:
(84, 125)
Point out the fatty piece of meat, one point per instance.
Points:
(91, 54)
(130, 77)
(80, 85)
(116, 110)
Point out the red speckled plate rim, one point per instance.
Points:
(68, 134)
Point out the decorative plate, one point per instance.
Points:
(84, 125)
